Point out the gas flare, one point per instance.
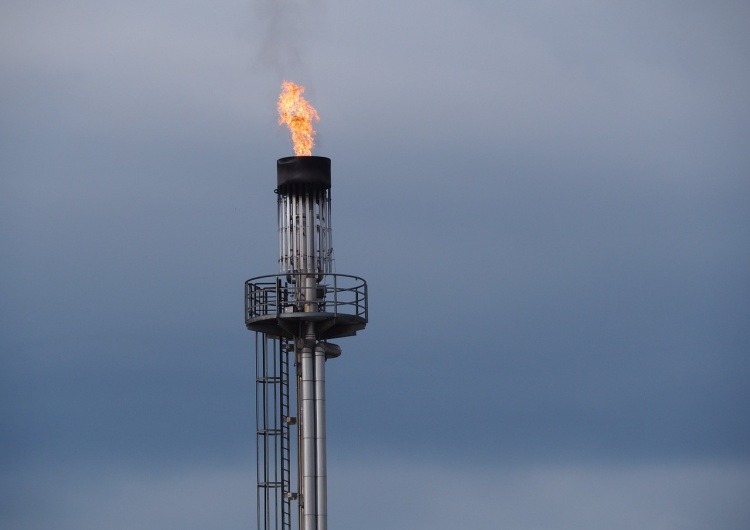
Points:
(297, 113)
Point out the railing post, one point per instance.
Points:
(335, 296)
(278, 295)
(364, 292)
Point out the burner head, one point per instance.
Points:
(314, 170)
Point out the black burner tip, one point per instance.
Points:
(315, 170)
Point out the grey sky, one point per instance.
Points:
(548, 200)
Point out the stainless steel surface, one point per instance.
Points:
(305, 235)
(307, 428)
(320, 436)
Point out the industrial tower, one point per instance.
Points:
(294, 314)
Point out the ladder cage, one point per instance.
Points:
(274, 419)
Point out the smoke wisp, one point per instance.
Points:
(285, 27)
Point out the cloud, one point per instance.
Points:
(549, 204)
(421, 494)
(118, 498)
(437, 496)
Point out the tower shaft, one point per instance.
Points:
(304, 306)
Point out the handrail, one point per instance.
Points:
(278, 295)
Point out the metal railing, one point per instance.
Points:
(280, 295)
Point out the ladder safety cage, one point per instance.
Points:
(273, 447)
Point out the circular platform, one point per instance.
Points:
(275, 305)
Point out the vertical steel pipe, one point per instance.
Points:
(307, 426)
(320, 437)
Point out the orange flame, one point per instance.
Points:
(297, 113)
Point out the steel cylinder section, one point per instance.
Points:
(313, 462)
(320, 436)
(307, 456)
(304, 214)
(310, 294)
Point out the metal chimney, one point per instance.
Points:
(294, 313)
